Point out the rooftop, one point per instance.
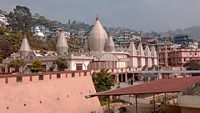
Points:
(154, 87)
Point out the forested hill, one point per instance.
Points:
(20, 22)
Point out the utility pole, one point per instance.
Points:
(166, 51)
(158, 58)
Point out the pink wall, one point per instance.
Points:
(55, 95)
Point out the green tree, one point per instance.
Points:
(192, 65)
(17, 64)
(9, 43)
(103, 80)
(20, 19)
(37, 66)
(61, 64)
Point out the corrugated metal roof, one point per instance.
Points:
(153, 87)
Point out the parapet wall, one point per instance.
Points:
(190, 101)
(60, 92)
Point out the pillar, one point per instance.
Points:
(136, 104)
(117, 78)
(6, 68)
(126, 77)
(154, 103)
(121, 76)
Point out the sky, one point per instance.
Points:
(141, 15)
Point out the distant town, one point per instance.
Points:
(75, 67)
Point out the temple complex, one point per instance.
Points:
(102, 54)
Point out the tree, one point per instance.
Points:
(20, 19)
(37, 66)
(192, 65)
(9, 43)
(17, 64)
(61, 64)
(103, 80)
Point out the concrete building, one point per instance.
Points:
(3, 21)
(56, 32)
(181, 39)
(37, 32)
(178, 56)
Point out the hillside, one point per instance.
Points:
(193, 32)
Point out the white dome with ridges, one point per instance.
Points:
(97, 37)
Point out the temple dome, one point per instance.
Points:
(140, 50)
(62, 46)
(110, 46)
(147, 51)
(97, 37)
(132, 48)
(25, 48)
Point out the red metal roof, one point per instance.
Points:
(153, 87)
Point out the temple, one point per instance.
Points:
(102, 53)
(37, 32)
(70, 90)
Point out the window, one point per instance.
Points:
(58, 75)
(41, 77)
(79, 66)
(19, 79)
(73, 74)
(179, 60)
(85, 73)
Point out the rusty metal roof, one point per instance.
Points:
(154, 87)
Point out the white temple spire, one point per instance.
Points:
(132, 48)
(97, 38)
(62, 46)
(147, 51)
(25, 48)
(153, 51)
(140, 50)
(110, 46)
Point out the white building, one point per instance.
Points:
(55, 33)
(102, 53)
(37, 32)
(3, 20)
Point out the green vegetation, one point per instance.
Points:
(17, 64)
(103, 80)
(61, 64)
(37, 66)
(20, 22)
(9, 43)
(20, 19)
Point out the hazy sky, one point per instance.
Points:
(145, 15)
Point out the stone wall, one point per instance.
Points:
(189, 101)
(61, 92)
